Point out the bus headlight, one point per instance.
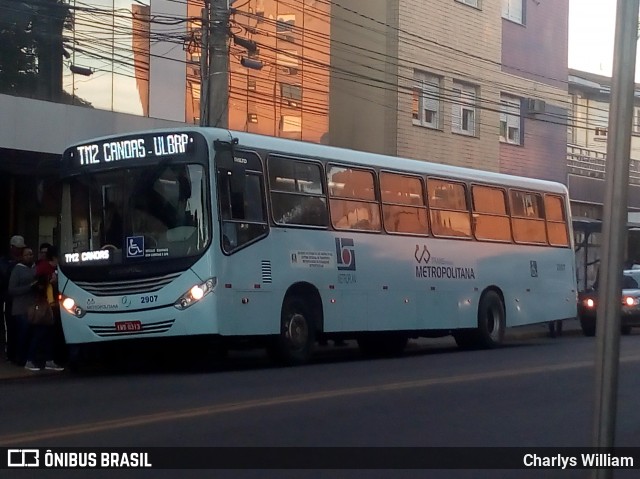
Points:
(72, 308)
(630, 301)
(195, 294)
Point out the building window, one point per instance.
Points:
(510, 120)
(252, 117)
(285, 23)
(463, 109)
(473, 3)
(636, 120)
(513, 10)
(291, 95)
(427, 99)
(287, 58)
(600, 133)
(290, 124)
(251, 84)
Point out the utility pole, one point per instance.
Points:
(204, 67)
(614, 227)
(218, 72)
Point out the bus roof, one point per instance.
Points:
(360, 158)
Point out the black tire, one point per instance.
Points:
(588, 327)
(626, 330)
(492, 321)
(382, 345)
(294, 345)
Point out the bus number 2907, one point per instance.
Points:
(149, 299)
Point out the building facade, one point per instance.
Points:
(465, 82)
(587, 136)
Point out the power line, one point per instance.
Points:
(179, 36)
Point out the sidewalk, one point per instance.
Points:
(570, 327)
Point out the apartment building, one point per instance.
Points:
(587, 135)
(465, 82)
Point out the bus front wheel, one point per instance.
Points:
(294, 344)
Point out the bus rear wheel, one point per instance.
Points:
(294, 344)
(491, 325)
(491, 320)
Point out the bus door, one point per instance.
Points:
(244, 279)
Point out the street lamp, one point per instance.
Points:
(80, 70)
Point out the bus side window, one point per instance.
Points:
(297, 194)
(449, 211)
(527, 217)
(556, 220)
(491, 221)
(353, 200)
(403, 206)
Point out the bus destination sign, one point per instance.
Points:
(146, 146)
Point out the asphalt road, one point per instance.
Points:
(532, 393)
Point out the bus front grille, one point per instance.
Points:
(147, 328)
(132, 286)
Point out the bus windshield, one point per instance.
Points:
(156, 213)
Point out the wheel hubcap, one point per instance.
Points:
(297, 331)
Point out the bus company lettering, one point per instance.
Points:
(440, 268)
(101, 304)
(346, 254)
(445, 272)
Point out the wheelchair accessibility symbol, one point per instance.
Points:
(135, 246)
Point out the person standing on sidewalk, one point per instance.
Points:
(47, 276)
(41, 328)
(8, 339)
(22, 284)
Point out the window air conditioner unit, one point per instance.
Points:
(289, 70)
(286, 38)
(536, 106)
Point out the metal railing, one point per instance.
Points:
(587, 162)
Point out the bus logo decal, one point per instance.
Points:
(135, 246)
(345, 254)
(422, 256)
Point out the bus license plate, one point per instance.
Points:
(128, 326)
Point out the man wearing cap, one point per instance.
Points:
(16, 245)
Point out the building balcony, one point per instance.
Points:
(591, 163)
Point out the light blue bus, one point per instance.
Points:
(210, 233)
